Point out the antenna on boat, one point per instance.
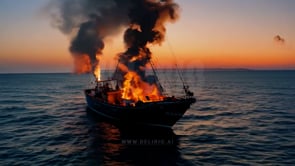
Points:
(185, 86)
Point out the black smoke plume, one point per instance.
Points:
(91, 21)
(88, 22)
(147, 26)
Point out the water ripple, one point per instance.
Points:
(240, 118)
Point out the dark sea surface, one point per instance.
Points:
(240, 118)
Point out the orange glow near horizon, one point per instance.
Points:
(273, 58)
(163, 59)
(188, 54)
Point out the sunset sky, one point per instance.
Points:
(255, 34)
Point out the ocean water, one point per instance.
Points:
(240, 118)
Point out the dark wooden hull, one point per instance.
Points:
(161, 114)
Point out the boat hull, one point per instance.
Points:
(161, 114)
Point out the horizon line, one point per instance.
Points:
(200, 69)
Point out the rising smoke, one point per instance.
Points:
(89, 22)
(147, 26)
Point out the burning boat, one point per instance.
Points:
(131, 96)
(133, 101)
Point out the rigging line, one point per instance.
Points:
(116, 71)
(177, 69)
(155, 64)
(157, 79)
(155, 72)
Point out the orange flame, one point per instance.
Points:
(136, 89)
(97, 72)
